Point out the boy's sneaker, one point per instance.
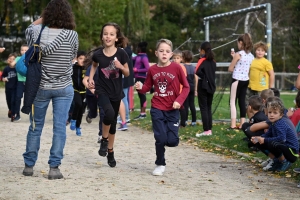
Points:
(141, 116)
(269, 165)
(28, 171)
(72, 124)
(123, 127)
(273, 167)
(54, 173)
(205, 133)
(88, 120)
(128, 121)
(283, 166)
(193, 124)
(111, 159)
(78, 131)
(296, 170)
(159, 170)
(17, 118)
(103, 147)
(266, 162)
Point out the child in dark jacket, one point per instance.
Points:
(10, 78)
(79, 93)
(254, 107)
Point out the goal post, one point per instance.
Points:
(268, 34)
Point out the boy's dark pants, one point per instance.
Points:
(248, 133)
(19, 95)
(79, 107)
(165, 126)
(10, 100)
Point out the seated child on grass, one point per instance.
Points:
(279, 143)
(254, 107)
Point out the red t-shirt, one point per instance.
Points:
(295, 118)
(166, 82)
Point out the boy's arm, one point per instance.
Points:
(271, 78)
(259, 126)
(281, 130)
(147, 84)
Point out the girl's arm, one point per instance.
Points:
(271, 79)
(235, 58)
(85, 82)
(196, 85)
(91, 83)
(124, 68)
(298, 81)
(145, 62)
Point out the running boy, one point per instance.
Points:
(20, 86)
(166, 78)
(10, 78)
(79, 93)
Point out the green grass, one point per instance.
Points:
(222, 141)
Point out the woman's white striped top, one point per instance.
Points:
(59, 48)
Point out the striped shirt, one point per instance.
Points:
(59, 48)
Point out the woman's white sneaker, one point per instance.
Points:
(159, 170)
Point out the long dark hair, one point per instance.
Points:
(209, 55)
(58, 14)
(88, 57)
(122, 40)
(247, 42)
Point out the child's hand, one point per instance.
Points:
(254, 140)
(5, 79)
(118, 64)
(91, 84)
(290, 112)
(92, 91)
(196, 93)
(176, 105)
(2, 49)
(138, 85)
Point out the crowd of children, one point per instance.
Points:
(98, 83)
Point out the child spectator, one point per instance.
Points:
(79, 93)
(279, 142)
(294, 114)
(166, 78)
(140, 69)
(20, 86)
(254, 107)
(177, 58)
(10, 78)
(206, 87)
(261, 71)
(187, 57)
(127, 83)
(239, 67)
(111, 62)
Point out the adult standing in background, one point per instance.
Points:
(59, 44)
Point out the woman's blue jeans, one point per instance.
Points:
(61, 101)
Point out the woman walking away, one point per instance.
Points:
(59, 45)
(206, 87)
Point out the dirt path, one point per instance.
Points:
(190, 173)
